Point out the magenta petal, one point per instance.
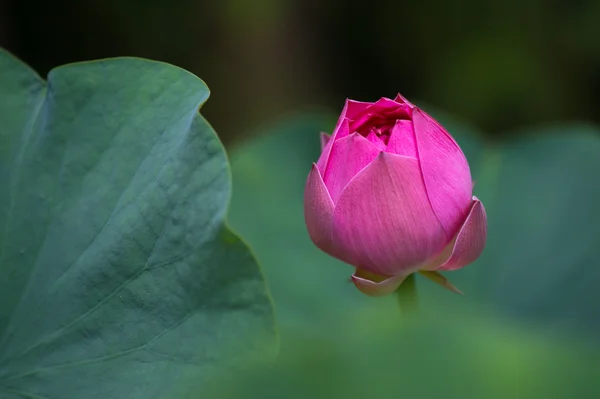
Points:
(383, 221)
(376, 140)
(390, 108)
(383, 109)
(348, 157)
(470, 240)
(324, 140)
(402, 139)
(401, 99)
(353, 108)
(376, 286)
(341, 131)
(324, 157)
(318, 210)
(445, 172)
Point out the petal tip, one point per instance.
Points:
(469, 242)
(324, 140)
(401, 99)
(438, 278)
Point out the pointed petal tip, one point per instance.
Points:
(469, 242)
(342, 129)
(453, 288)
(401, 99)
(348, 157)
(438, 278)
(324, 140)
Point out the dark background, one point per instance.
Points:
(498, 64)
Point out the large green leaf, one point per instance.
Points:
(118, 275)
(541, 193)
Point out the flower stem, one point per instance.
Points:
(407, 297)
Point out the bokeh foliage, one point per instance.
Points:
(499, 64)
(528, 324)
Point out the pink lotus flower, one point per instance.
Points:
(391, 194)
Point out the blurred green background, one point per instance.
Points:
(529, 325)
(498, 64)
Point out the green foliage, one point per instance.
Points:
(118, 275)
(528, 323)
(541, 193)
(437, 357)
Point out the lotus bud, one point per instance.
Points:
(391, 195)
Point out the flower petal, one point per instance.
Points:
(387, 106)
(437, 278)
(384, 110)
(469, 241)
(402, 139)
(318, 210)
(383, 221)
(374, 285)
(376, 140)
(445, 172)
(353, 108)
(324, 140)
(402, 100)
(341, 131)
(348, 157)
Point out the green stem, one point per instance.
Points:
(407, 295)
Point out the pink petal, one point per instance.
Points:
(469, 241)
(353, 108)
(402, 139)
(348, 157)
(324, 140)
(387, 106)
(374, 285)
(445, 172)
(318, 210)
(350, 109)
(341, 131)
(376, 140)
(383, 221)
(402, 100)
(382, 111)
